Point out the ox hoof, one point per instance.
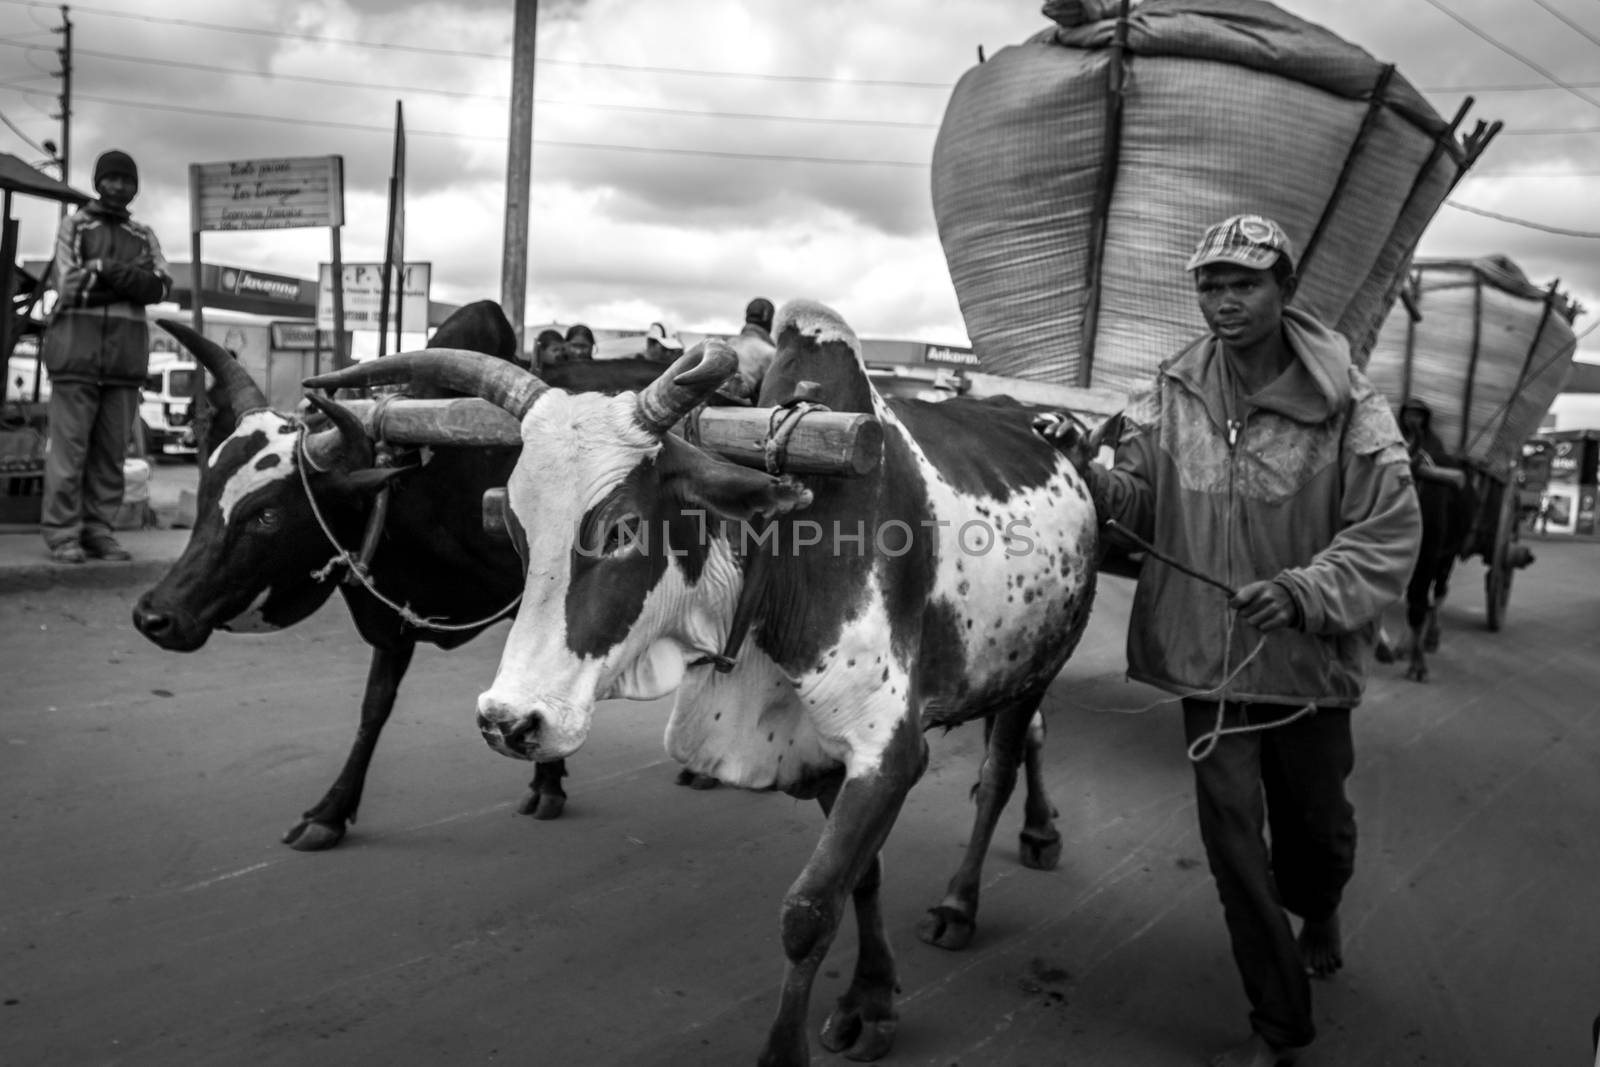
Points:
(695, 781)
(945, 927)
(543, 806)
(1040, 851)
(1417, 674)
(308, 836)
(1381, 652)
(862, 1041)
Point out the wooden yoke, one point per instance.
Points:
(843, 444)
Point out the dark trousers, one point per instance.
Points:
(90, 426)
(1289, 781)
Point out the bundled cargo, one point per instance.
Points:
(1073, 174)
(1485, 348)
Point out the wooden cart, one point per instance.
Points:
(1487, 351)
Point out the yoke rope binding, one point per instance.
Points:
(344, 558)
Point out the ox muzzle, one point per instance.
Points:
(539, 734)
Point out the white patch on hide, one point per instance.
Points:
(250, 620)
(249, 478)
(747, 728)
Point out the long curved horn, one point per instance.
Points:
(685, 385)
(242, 391)
(501, 383)
(345, 446)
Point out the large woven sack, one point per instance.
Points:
(1229, 106)
(1488, 355)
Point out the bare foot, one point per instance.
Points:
(1321, 947)
(1256, 1052)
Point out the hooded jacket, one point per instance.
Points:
(108, 267)
(1309, 486)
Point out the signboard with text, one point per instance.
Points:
(363, 295)
(254, 283)
(950, 357)
(294, 336)
(267, 194)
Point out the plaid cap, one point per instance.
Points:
(1253, 241)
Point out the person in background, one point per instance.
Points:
(1262, 459)
(755, 349)
(97, 350)
(661, 346)
(579, 343)
(548, 348)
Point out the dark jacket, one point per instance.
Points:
(1314, 492)
(107, 268)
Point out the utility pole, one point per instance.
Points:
(64, 53)
(519, 168)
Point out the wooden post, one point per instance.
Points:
(340, 356)
(519, 169)
(200, 406)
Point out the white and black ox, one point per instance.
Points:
(257, 543)
(958, 582)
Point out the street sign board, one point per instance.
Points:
(280, 193)
(363, 295)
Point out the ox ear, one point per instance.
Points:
(723, 488)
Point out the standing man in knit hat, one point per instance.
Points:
(97, 351)
(1263, 459)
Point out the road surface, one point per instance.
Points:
(149, 916)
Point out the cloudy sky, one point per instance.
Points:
(692, 154)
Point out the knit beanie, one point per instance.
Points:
(115, 162)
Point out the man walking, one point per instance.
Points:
(97, 351)
(1263, 459)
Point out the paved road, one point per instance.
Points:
(148, 916)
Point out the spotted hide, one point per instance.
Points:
(253, 560)
(950, 584)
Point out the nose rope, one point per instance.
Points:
(1206, 743)
(344, 558)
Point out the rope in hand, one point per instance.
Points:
(1206, 743)
(344, 558)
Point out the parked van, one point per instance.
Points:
(167, 405)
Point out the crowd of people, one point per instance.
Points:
(753, 343)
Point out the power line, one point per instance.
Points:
(1549, 131)
(1518, 56)
(1532, 87)
(353, 42)
(366, 128)
(1520, 222)
(1577, 28)
(29, 141)
(462, 94)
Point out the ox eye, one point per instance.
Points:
(623, 535)
(268, 519)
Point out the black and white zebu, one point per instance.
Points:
(257, 542)
(951, 584)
